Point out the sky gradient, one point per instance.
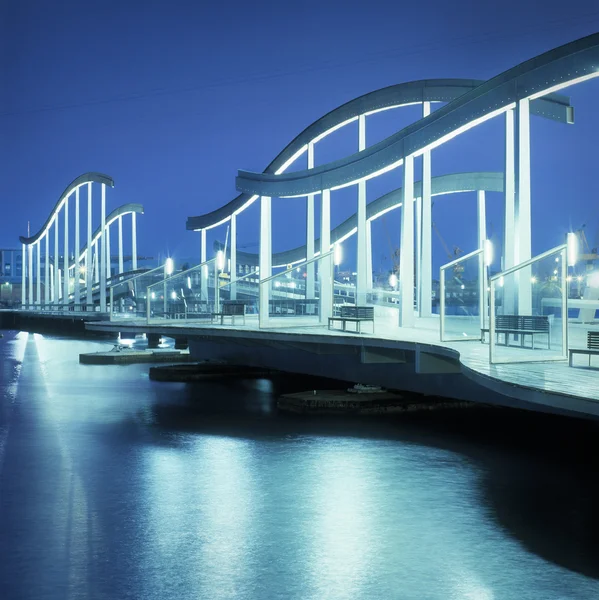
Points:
(170, 99)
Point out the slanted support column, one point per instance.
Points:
(108, 254)
(56, 294)
(369, 282)
(88, 253)
(96, 263)
(233, 273)
(517, 236)
(310, 230)
(406, 259)
(120, 244)
(362, 257)
(47, 296)
(133, 241)
(76, 268)
(23, 277)
(30, 274)
(265, 257)
(325, 268)
(38, 278)
(426, 252)
(481, 212)
(65, 258)
(204, 273)
(523, 207)
(103, 251)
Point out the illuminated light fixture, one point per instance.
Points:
(277, 284)
(564, 84)
(188, 282)
(153, 295)
(463, 287)
(555, 271)
(393, 280)
(337, 254)
(292, 285)
(579, 278)
(169, 266)
(291, 160)
(488, 252)
(501, 281)
(569, 278)
(572, 246)
(174, 295)
(533, 279)
(220, 260)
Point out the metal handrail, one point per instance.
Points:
(302, 264)
(530, 261)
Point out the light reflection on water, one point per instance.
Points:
(116, 486)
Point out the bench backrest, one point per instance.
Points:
(593, 340)
(522, 322)
(357, 312)
(233, 308)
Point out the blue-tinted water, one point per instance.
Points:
(113, 486)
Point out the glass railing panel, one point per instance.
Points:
(463, 298)
(290, 299)
(128, 296)
(189, 295)
(528, 320)
(244, 289)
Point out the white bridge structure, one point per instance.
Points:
(502, 332)
(69, 275)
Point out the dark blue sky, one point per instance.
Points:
(170, 99)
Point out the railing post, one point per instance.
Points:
(111, 301)
(564, 261)
(492, 322)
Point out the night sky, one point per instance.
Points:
(171, 98)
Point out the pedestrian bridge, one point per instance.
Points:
(425, 324)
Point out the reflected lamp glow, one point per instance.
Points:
(220, 260)
(337, 254)
(393, 280)
(572, 246)
(169, 266)
(488, 252)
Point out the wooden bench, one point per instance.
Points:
(354, 314)
(591, 349)
(230, 308)
(521, 325)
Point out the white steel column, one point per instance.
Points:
(120, 244)
(233, 273)
(88, 252)
(310, 230)
(369, 282)
(204, 273)
(265, 258)
(108, 254)
(38, 272)
(30, 300)
(509, 234)
(481, 212)
(96, 264)
(134, 242)
(56, 294)
(76, 272)
(23, 277)
(47, 296)
(325, 269)
(361, 267)
(426, 252)
(65, 261)
(406, 258)
(103, 251)
(418, 249)
(523, 207)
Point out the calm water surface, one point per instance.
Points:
(113, 486)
